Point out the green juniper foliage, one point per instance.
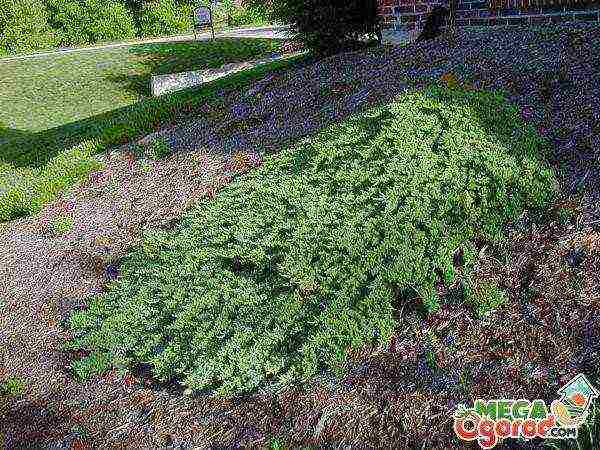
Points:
(12, 386)
(298, 261)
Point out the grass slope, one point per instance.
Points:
(51, 99)
(302, 260)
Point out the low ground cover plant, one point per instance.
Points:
(298, 262)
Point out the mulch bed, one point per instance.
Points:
(390, 397)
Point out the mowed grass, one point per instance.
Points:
(54, 102)
(49, 91)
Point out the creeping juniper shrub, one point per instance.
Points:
(296, 263)
(158, 148)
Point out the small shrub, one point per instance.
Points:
(158, 149)
(24, 27)
(12, 386)
(120, 132)
(327, 27)
(62, 224)
(108, 21)
(298, 262)
(90, 21)
(248, 15)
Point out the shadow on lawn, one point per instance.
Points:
(122, 125)
(183, 56)
(8, 134)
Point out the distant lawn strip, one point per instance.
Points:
(300, 262)
(133, 121)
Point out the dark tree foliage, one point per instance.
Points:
(433, 23)
(327, 26)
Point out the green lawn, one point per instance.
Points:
(49, 91)
(53, 102)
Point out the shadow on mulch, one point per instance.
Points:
(36, 425)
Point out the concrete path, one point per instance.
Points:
(269, 32)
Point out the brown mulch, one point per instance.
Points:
(389, 398)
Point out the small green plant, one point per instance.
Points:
(158, 148)
(23, 191)
(431, 360)
(12, 386)
(62, 224)
(276, 444)
(565, 215)
(485, 298)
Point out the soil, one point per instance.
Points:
(392, 397)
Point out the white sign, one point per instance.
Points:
(202, 16)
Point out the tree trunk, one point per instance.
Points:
(452, 21)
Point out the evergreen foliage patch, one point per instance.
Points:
(297, 262)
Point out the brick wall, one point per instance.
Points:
(410, 14)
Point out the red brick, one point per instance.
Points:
(480, 21)
(539, 20)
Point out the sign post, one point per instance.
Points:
(202, 18)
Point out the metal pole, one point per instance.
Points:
(212, 25)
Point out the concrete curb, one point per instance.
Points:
(166, 84)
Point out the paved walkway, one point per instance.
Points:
(272, 32)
